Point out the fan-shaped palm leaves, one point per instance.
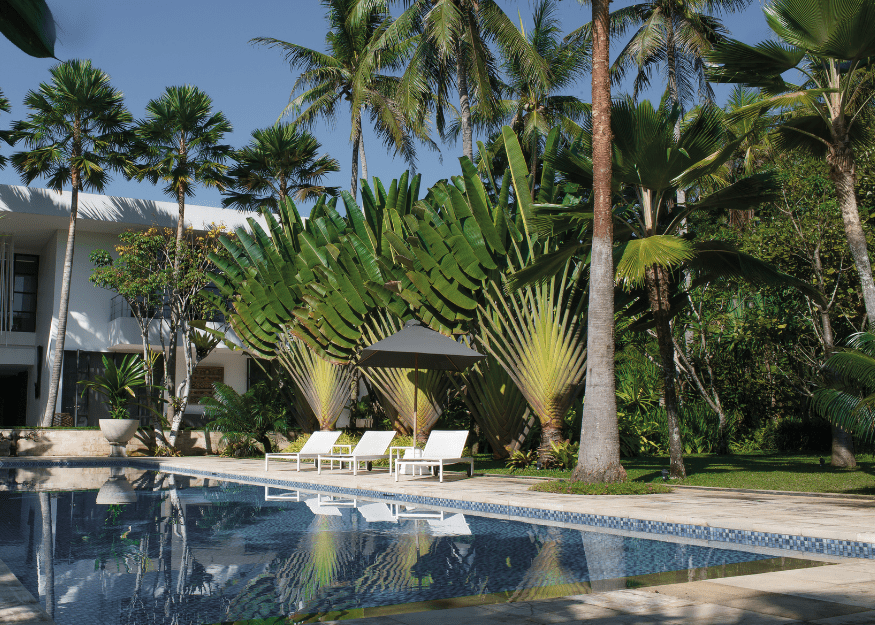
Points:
(322, 388)
(279, 161)
(830, 42)
(537, 333)
(398, 386)
(76, 125)
(498, 407)
(848, 401)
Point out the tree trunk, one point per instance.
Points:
(842, 451)
(658, 293)
(362, 159)
(354, 182)
(63, 307)
(534, 149)
(464, 106)
(174, 410)
(551, 432)
(843, 175)
(47, 556)
(599, 459)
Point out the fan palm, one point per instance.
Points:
(279, 161)
(849, 401)
(180, 144)
(350, 70)
(322, 388)
(398, 386)
(536, 334)
(452, 39)
(830, 42)
(530, 103)
(76, 124)
(651, 163)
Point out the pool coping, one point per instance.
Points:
(818, 546)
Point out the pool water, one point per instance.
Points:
(175, 550)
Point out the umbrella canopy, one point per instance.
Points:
(415, 346)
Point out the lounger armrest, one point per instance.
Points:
(348, 448)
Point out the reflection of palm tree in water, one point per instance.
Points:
(605, 560)
(547, 576)
(46, 555)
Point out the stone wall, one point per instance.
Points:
(81, 443)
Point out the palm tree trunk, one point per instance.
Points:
(47, 559)
(362, 159)
(658, 293)
(354, 182)
(599, 459)
(843, 175)
(842, 452)
(174, 411)
(464, 106)
(63, 306)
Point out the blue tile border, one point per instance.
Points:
(805, 544)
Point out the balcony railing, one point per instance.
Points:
(119, 308)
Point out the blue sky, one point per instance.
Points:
(147, 46)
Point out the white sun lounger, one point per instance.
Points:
(319, 444)
(443, 447)
(372, 446)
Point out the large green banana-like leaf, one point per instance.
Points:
(498, 407)
(324, 386)
(397, 385)
(29, 25)
(538, 334)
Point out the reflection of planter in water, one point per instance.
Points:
(118, 432)
(116, 490)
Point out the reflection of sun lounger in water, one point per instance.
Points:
(377, 512)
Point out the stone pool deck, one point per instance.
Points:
(842, 593)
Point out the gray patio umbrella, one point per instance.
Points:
(414, 347)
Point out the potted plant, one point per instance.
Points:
(118, 386)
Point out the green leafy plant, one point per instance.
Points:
(849, 400)
(520, 459)
(244, 419)
(563, 454)
(118, 384)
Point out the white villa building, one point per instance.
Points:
(33, 239)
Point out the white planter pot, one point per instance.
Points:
(118, 432)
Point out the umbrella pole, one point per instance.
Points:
(415, 394)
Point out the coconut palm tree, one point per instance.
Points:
(452, 45)
(830, 43)
(279, 161)
(675, 34)
(350, 70)
(76, 124)
(179, 143)
(531, 103)
(599, 459)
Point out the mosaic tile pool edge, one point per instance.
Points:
(806, 544)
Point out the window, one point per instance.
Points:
(25, 270)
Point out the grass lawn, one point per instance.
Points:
(796, 472)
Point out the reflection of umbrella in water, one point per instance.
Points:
(416, 346)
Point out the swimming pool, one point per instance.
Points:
(159, 548)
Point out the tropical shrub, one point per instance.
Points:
(118, 384)
(563, 454)
(246, 419)
(520, 459)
